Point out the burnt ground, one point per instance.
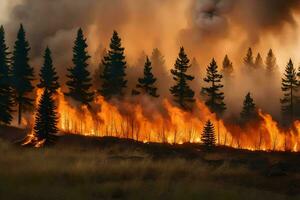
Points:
(274, 171)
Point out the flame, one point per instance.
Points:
(169, 124)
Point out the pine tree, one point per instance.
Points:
(48, 75)
(22, 73)
(114, 69)
(248, 60)
(46, 120)
(146, 84)
(215, 99)
(249, 111)
(271, 65)
(181, 92)
(290, 85)
(208, 136)
(79, 82)
(258, 61)
(6, 95)
(227, 67)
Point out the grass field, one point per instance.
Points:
(89, 168)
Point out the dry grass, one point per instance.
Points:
(79, 173)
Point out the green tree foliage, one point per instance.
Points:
(215, 98)
(79, 82)
(248, 60)
(249, 111)
(208, 136)
(290, 85)
(6, 95)
(271, 65)
(114, 69)
(181, 91)
(48, 75)
(46, 120)
(146, 84)
(227, 67)
(22, 73)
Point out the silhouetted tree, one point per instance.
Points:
(114, 69)
(79, 82)
(181, 92)
(271, 65)
(97, 80)
(248, 60)
(146, 84)
(48, 75)
(227, 67)
(259, 63)
(46, 120)
(22, 73)
(6, 95)
(215, 99)
(290, 85)
(208, 136)
(249, 111)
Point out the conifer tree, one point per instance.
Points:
(208, 136)
(114, 69)
(46, 120)
(215, 98)
(22, 73)
(290, 85)
(258, 61)
(271, 65)
(6, 95)
(146, 84)
(79, 82)
(249, 111)
(248, 60)
(48, 75)
(227, 67)
(181, 91)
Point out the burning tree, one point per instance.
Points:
(114, 69)
(146, 84)
(22, 73)
(249, 111)
(48, 75)
(290, 84)
(215, 99)
(79, 82)
(46, 120)
(181, 92)
(208, 136)
(6, 95)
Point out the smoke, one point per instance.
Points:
(206, 28)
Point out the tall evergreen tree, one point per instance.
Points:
(290, 85)
(227, 67)
(6, 95)
(258, 61)
(114, 69)
(46, 119)
(146, 84)
(248, 60)
(48, 75)
(22, 73)
(79, 82)
(271, 65)
(215, 99)
(181, 92)
(208, 136)
(249, 111)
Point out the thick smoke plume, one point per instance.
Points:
(207, 28)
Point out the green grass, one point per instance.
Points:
(83, 173)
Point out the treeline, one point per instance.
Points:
(17, 76)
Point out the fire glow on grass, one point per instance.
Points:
(172, 125)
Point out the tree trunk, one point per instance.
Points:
(20, 113)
